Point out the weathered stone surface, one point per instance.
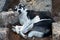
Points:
(10, 4)
(56, 31)
(56, 18)
(8, 17)
(38, 5)
(56, 10)
(56, 7)
(4, 33)
(2, 3)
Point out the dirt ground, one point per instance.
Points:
(14, 36)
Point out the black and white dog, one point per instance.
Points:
(39, 24)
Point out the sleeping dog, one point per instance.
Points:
(39, 24)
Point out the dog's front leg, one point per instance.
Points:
(24, 30)
(29, 27)
(17, 30)
(26, 25)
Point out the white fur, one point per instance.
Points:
(35, 33)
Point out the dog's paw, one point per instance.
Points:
(25, 37)
(16, 29)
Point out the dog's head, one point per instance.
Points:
(20, 8)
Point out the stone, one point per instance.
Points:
(4, 33)
(9, 17)
(10, 4)
(56, 31)
(37, 5)
(56, 18)
(2, 3)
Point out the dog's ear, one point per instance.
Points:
(21, 6)
(14, 8)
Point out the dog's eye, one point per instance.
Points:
(19, 11)
(15, 9)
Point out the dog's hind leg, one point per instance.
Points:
(36, 34)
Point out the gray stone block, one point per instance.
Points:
(4, 33)
(9, 17)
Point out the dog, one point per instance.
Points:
(39, 24)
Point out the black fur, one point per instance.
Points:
(43, 26)
(43, 15)
(30, 14)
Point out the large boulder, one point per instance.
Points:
(9, 17)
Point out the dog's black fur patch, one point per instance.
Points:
(30, 14)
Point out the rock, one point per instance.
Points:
(9, 17)
(38, 5)
(56, 8)
(56, 31)
(10, 4)
(2, 3)
(4, 33)
(56, 18)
